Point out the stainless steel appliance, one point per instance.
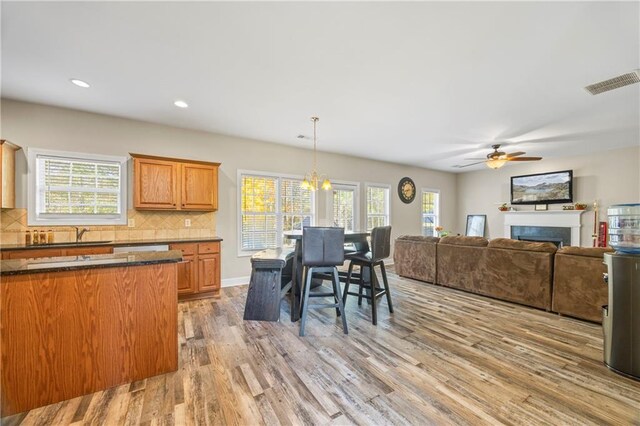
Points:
(621, 317)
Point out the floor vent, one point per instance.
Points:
(614, 83)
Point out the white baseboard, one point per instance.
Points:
(231, 282)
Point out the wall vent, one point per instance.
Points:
(614, 83)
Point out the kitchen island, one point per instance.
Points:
(79, 324)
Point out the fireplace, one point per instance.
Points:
(547, 225)
(560, 236)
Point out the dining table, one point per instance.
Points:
(358, 238)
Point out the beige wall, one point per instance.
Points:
(31, 125)
(609, 177)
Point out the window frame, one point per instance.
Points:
(437, 209)
(368, 185)
(314, 213)
(34, 219)
(347, 185)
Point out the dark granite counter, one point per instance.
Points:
(70, 263)
(121, 243)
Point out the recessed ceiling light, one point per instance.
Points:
(80, 83)
(181, 104)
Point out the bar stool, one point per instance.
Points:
(322, 251)
(380, 250)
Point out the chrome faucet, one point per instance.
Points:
(80, 233)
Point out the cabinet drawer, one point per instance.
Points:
(186, 248)
(206, 248)
(32, 253)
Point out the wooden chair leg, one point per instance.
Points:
(336, 281)
(374, 296)
(305, 303)
(386, 286)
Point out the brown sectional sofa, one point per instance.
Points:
(567, 281)
(578, 288)
(414, 257)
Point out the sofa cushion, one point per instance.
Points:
(464, 241)
(510, 244)
(586, 251)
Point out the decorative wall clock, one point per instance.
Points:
(406, 190)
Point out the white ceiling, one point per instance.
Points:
(426, 84)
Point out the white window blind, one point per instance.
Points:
(344, 207)
(430, 209)
(271, 205)
(78, 189)
(377, 206)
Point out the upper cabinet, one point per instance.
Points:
(174, 184)
(8, 173)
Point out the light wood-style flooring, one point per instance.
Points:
(444, 357)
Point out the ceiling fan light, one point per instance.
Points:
(495, 163)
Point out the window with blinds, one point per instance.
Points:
(430, 212)
(344, 207)
(76, 189)
(377, 206)
(271, 205)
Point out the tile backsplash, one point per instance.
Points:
(148, 225)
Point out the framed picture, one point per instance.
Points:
(475, 225)
(540, 207)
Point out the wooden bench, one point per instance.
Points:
(265, 286)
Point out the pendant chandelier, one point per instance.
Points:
(312, 179)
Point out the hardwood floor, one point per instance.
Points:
(443, 357)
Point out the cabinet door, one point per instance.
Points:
(155, 184)
(208, 272)
(199, 187)
(187, 278)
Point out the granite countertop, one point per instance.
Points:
(121, 243)
(71, 263)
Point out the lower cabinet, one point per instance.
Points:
(199, 271)
(209, 272)
(55, 252)
(187, 275)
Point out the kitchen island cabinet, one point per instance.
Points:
(77, 325)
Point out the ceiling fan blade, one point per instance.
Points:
(524, 159)
(471, 164)
(475, 159)
(516, 154)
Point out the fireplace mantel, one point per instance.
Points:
(561, 218)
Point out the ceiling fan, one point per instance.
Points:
(497, 159)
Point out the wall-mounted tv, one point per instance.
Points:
(542, 188)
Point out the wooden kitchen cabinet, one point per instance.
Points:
(199, 274)
(162, 183)
(209, 272)
(32, 253)
(55, 252)
(8, 174)
(155, 184)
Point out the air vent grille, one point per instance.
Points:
(614, 83)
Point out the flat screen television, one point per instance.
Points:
(542, 188)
